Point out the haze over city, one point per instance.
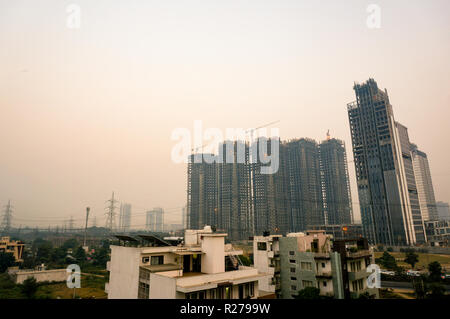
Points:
(88, 111)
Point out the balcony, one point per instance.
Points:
(321, 256)
(356, 275)
(358, 254)
(324, 274)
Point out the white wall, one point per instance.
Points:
(162, 287)
(45, 275)
(261, 262)
(124, 272)
(213, 259)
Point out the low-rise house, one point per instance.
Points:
(11, 246)
(312, 259)
(194, 269)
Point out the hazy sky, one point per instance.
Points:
(88, 111)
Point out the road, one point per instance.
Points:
(403, 285)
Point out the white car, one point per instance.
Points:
(413, 273)
(387, 272)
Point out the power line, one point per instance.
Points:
(111, 213)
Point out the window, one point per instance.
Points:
(306, 266)
(292, 261)
(293, 287)
(292, 269)
(323, 265)
(360, 284)
(145, 260)
(307, 283)
(293, 278)
(292, 253)
(157, 260)
(324, 283)
(262, 246)
(143, 291)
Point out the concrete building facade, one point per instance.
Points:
(125, 217)
(12, 246)
(195, 269)
(424, 184)
(155, 220)
(379, 156)
(335, 182)
(443, 211)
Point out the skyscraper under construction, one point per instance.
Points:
(234, 192)
(335, 182)
(385, 185)
(303, 182)
(202, 191)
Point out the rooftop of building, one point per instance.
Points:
(191, 280)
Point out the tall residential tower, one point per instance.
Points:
(381, 162)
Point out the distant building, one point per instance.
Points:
(270, 193)
(155, 220)
(343, 231)
(11, 246)
(202, 191)
(125, 217)
(424, 185)
(335, 182)
(184, 218)
(443, 211)
(234, 209)
(194, 270)
(438, 232)
(304, 184)
(390, 210)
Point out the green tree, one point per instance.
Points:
(411, 258)
(309, 293)
(70, 244)
(29, 287)
(437, 291)
(100, 257)
(387, 261)
(6, 260)
(44, 250)
(80, 255)
(420, 289)
(435, 270)
(58, 255)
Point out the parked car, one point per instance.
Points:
(413, 273)
(387, 272)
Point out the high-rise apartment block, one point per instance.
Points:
(155, 220)
(424, 184)
(234, 193)
(336, 183)
(125, 217)
(385, 178)
(443, 211)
